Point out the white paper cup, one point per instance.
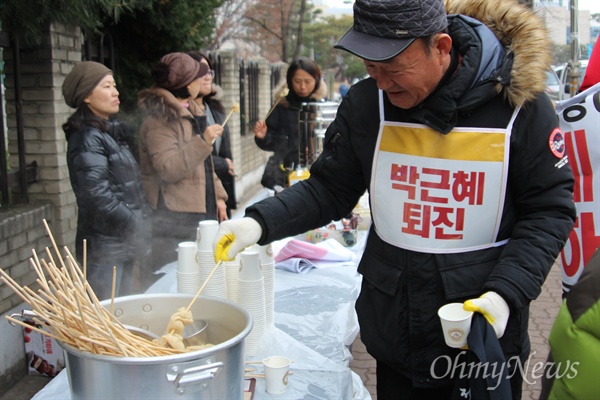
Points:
(456, 324)
(207, 231)
(265, 252)
(186, 257)
(277, 370)
(250, 266)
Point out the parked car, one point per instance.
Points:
(553, 86)
(562, 71)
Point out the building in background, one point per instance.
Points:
(557, 18)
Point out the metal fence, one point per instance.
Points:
(275, 77)
(252, 73)
(25, 173)
(215, 60)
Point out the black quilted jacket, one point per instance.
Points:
(113, 211)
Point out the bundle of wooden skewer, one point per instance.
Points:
(69, 311)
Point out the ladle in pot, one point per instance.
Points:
(146, 334)
(196, 333)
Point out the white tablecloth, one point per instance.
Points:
(315, 322)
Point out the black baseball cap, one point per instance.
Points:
(384, 28)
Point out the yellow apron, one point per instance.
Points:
(439, 193)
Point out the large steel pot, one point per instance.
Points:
(213, 373)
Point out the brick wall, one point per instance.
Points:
(21, 230)
(43, 69)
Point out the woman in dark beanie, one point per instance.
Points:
(279, 133)
(175, 156)
(214, 113)
(112, 208)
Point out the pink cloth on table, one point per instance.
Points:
(310, 251)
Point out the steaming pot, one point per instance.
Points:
(213, 373)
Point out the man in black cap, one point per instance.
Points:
(469, 185)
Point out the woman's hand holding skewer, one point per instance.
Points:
(212, 132)
(235, 108)
(260, 129)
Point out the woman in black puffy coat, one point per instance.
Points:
(112, 208)
(279, 133)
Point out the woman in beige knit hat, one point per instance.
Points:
(175, 156)
(112, 208)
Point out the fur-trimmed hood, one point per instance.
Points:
(160, 103)
(215, 101)
(521, 33)
(282, 87)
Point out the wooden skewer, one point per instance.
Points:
(112, 293)
(234, 108)
(227, 118)
(283, 94)
(103, 321)
(254, 375)
(85, 258)
(49, 254)
(262, 375)
(272, 108)
(68, 309)
(35, 261)
(203, 285)
(53, 242)
(26, 325)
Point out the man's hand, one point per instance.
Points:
(494, 309)
(234, 236)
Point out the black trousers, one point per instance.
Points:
(393, 385)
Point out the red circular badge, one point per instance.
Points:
(557, 143)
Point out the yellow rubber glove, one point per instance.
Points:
(234, 236)
(494, 309)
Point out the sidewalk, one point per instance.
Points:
(542, 313)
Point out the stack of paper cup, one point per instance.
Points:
(207, 231)
(188, 272)
(216, 285)
(267, 265)
(232, 272)
(252, 297)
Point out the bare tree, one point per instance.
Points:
(277, 27)
(229, 22)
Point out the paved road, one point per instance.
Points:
(543, 311)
